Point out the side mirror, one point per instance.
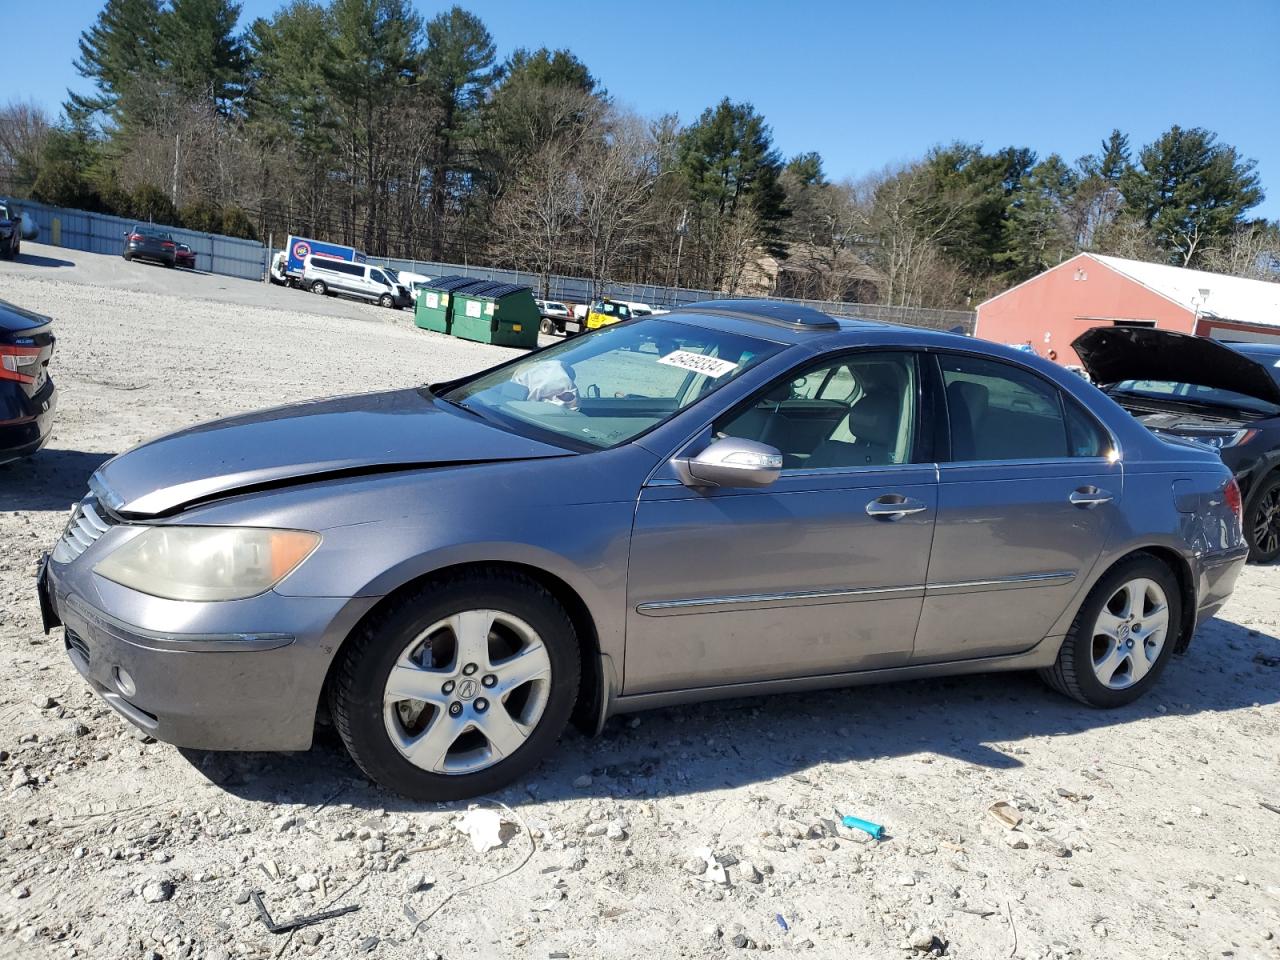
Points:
(731, 463)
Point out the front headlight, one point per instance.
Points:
(1232, 439)
(207, 563)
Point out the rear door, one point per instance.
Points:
(820, 573)
(1027, 498)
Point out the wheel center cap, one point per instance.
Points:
(1124, 630)
(467, 688)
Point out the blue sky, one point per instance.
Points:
(866, 83)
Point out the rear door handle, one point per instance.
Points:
(894, 506)
(1087, 497)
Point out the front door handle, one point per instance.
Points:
(894, 506)
(1087, 497)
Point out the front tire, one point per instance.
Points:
(386, 300)
(458, 688)
(1262, 521)
(319, 288)
(1122, 637)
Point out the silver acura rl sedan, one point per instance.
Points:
(736, 498)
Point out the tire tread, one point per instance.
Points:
(343, 684)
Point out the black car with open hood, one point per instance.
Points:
(1226, 395)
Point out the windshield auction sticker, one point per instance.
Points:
(711, 366)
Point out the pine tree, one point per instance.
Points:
(202, 57)
(119, 52)
(458, 71)
(1190, 190)
(731, 173)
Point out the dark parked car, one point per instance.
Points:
(1226, 395)
(736, 498)
(149, 243)
(10, 230)
(185, 257)
(27, 394)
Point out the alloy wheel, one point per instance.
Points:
(1266, 522)
(1130, 633)
(467, 692)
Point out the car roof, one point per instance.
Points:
(1257, 349)
(791, 323)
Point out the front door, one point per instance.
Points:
(1025, 506)
(820, 573)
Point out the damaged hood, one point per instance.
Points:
(1112, 354)
(366, 433)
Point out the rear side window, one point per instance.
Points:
(1086, 437)
(339, 266)
(999, 412)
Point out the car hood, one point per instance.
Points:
(1111, 354)
(343, 436)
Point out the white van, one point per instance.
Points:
(362, 281)
(412, 282)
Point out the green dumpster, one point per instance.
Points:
(434, 310)
(498, 313)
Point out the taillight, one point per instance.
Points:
(166, 244)
(135, 238)
(1231, 494)
(19, 363)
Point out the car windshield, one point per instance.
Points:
(395, 276)
(4, 212)
(609, 387)
(1193, 393)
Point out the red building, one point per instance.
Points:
(1089, 290)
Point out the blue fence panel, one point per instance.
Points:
(103, 233)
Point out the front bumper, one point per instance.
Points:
(191, 674)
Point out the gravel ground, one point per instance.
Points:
(1142, 831)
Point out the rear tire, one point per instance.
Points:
(1118, 623)
(412, 644)
(546, 326)
(1262, 521)
(319, 288)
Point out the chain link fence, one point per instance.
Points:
(247, 259)
(578, 290)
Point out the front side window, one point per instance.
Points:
(1000, 412)
(611, 386)
(857, 411)
(378, 277)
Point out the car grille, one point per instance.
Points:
(76, 645)
(86, 525)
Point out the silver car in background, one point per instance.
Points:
(737, 498)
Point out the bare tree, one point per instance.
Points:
(619, 171)
(910, 225)
(1252, 252)
(24, 128)
(533, 219)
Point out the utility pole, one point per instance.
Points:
(682, 228)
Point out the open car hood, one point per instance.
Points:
(1111, 354)
(345, 436)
